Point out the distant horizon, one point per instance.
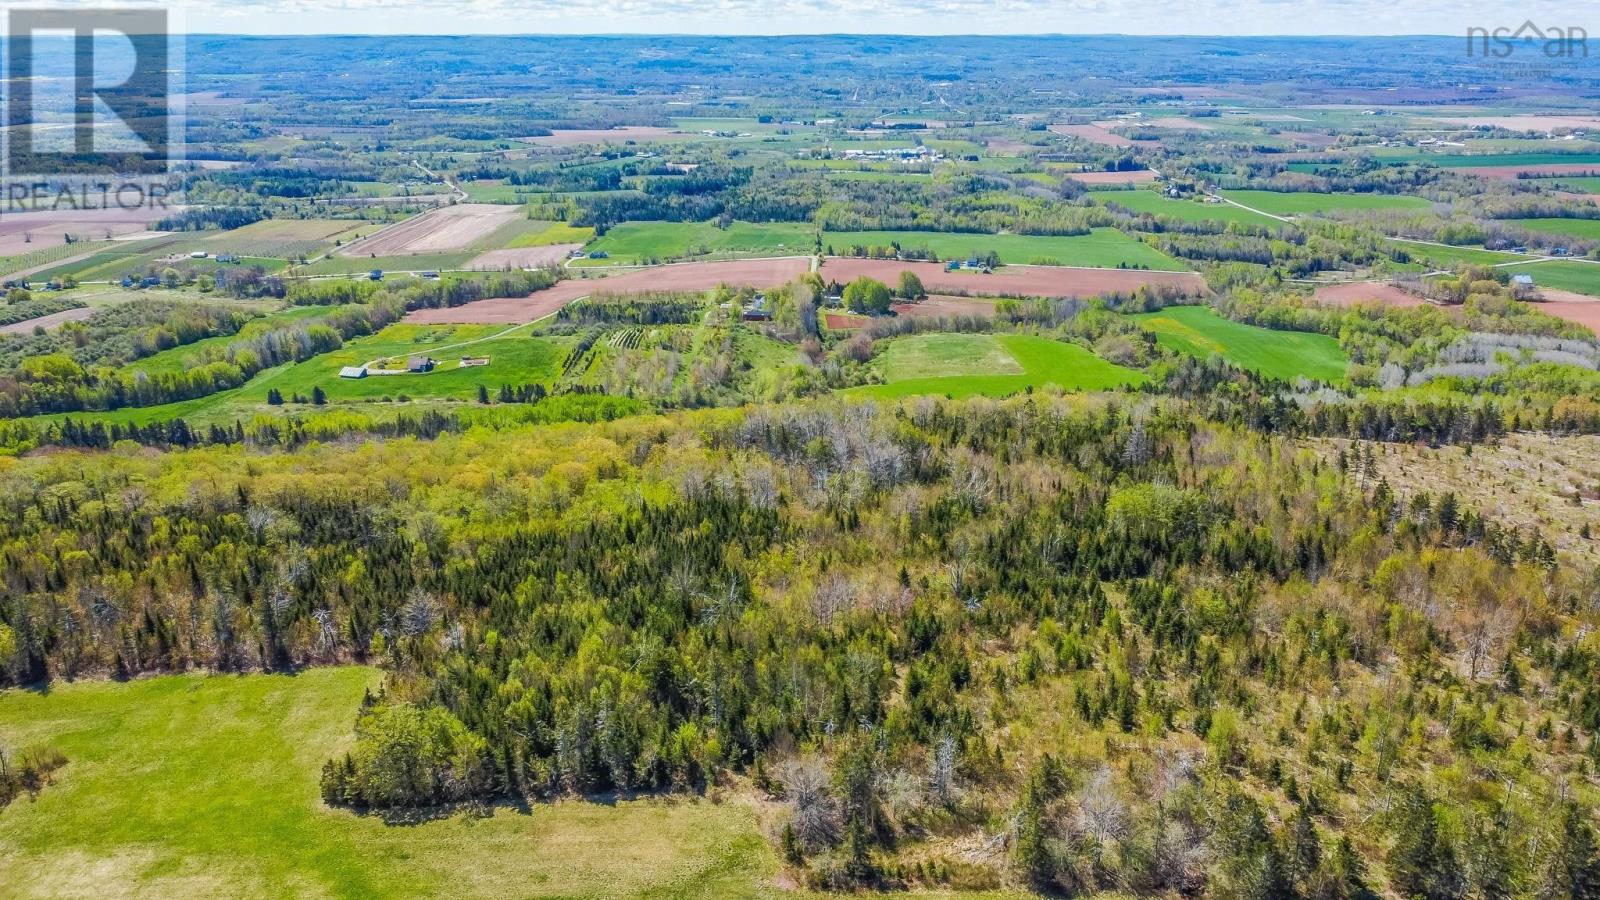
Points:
(875, 18)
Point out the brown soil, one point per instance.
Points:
(1143, 176)
(1352, 293)
(696, 276)
(521, 257)
(1012, 281)
(1092, 133)
(599, 136)
(445, 228)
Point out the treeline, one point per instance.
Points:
(575, 404)
(208, 217)
(634, 309)
(421, 294)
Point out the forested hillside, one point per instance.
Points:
(1078, 644)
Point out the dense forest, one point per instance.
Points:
(1137, 649)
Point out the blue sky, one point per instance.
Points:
(1243, 17)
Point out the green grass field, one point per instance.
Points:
(1199, 331)
(495, 191)
(1579, 277)
(1444, 257)
(1291, 203)
(553, 233)
(1582, 184)
(1140, 201)
(514, 359)
(417, 262)
(206, 786)
(1479, 160)
(633, 242)
(518, 358)
(965, 365)
(1103, 247)
(1588, 229)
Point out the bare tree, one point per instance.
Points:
(814, 812)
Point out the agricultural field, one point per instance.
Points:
(515, 358)
(334, 264)
(1199, 331)
(29, 262)
(1188, 210)
(1013, 281)
(1102, 248)
(197, 785)
(280, 238)
(544, 234)
(1583, 184)
(1441, 256)
(1587, 229)
(965, 365)
(26, 231)
(1294, 203)
(444, 229)
(1567, 275)
(688, 277)
(634, 243)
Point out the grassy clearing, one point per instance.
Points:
(1527, 478)
(634, 242)
(206, 786)
(517, 358)
(1579, 277)
(1199, 331)
(1188, 210)
(1584, 184)
(1102, 247)
(494, 191)
(962, 365)
(514, 359)
(935, 355)
(1290, 203)
(1588, 229)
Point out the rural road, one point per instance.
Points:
(50, 321)
(1259, 212)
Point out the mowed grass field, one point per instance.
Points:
(1588, 229)
(1200, 332)
(1293, 203)
(965, 365)
(1579, 277)
(1188, 210)
(635, 242)
(206, 786)
(517, 358)
(1102, 247)
(1445, 257)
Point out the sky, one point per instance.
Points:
(1208, 17)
